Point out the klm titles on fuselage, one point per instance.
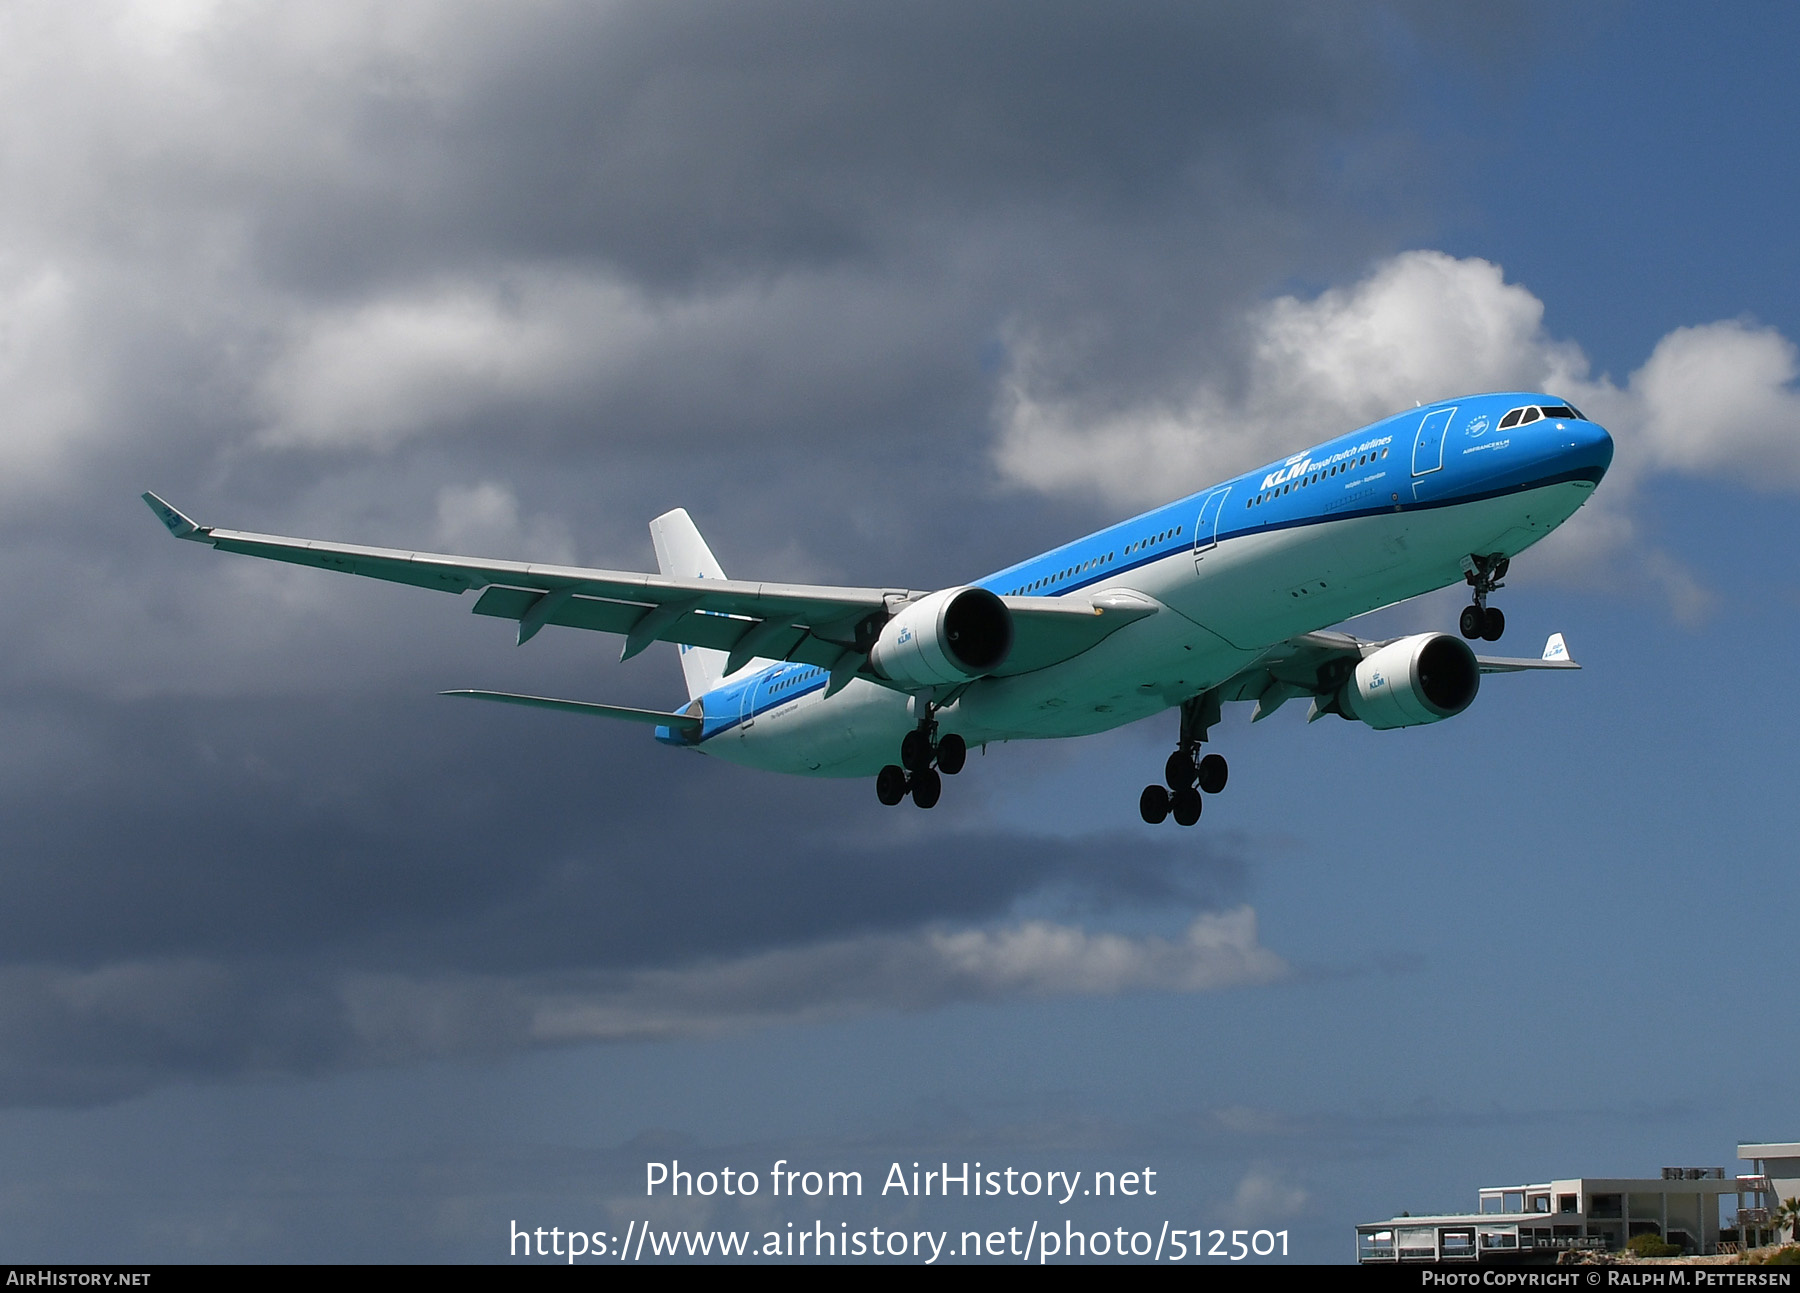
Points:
(1304, 463)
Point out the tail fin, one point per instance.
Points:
(682, 554)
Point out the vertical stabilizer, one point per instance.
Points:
(682, 554)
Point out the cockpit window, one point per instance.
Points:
(1530, 413)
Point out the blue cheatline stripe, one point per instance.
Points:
(1111, 572)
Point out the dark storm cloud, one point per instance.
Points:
(201, 886)
(833, 209)
(512, 281)
(271, 828)
(677, 140)
(575, 251)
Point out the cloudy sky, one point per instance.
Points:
(299, 961)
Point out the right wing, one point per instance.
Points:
(815, 625)
(830, 627)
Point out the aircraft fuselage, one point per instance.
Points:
(1361, 521)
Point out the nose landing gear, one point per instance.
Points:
(914, 774)
(1483, 575)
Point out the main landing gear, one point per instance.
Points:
(1189, 776)
(1483, 575)
(914, 774)
(1188, 780)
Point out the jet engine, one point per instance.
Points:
(951, 636)
(1420, 679)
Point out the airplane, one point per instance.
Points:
(1224, 595)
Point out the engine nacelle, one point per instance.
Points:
(1420, 679)
(952, 636)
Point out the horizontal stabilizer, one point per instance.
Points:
(680, 722)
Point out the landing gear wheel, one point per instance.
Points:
(1153, 804)
(890, 784)
(926, 787)
(1213, 773)
(915, 751)
(1179, 770)
(951, 753)
(1483, 574)
(1186, 806)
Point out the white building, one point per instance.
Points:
(1773, 1179)
(1535, 1222)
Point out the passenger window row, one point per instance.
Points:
(1315, 478)
(1093, 563)
(795, 679)
(1154, 539)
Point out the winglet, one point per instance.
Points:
(180, 526)
(1556, 648)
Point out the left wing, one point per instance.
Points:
(1318, 664)
(830, 627)
(1556, 656)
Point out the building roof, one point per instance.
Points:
(1622, 1185)
(1770, 1149)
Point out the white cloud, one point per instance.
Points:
(387, 369)
(525, 346)
(484, 519)
(1721, 398)
(1040, 958)
(94, 1033)
(1715, 399)
(915, 971)
(1421, 326)
(1262, 1196)
(45, 388)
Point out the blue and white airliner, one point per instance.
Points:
(1225, 595)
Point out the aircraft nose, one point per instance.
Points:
(1586, 447)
